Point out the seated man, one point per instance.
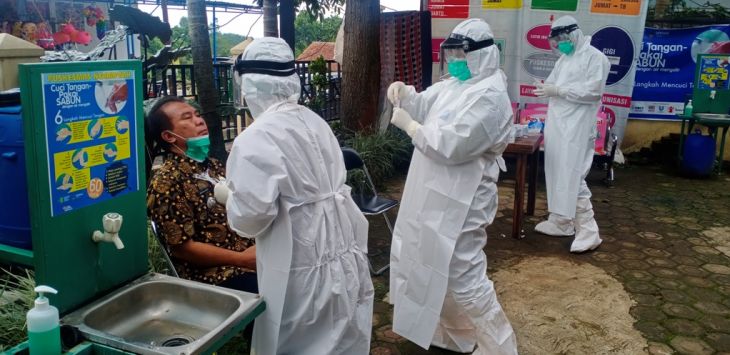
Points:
(181, 202)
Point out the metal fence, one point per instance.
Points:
(179, 80)
(328, 106)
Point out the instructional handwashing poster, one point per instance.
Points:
(90, 133)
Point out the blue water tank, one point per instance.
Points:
(14, 210)
(699, 154)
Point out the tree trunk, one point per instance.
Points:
(361, 65)
(203, 70)
(271, 25)
(287, 12)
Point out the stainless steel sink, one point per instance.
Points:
(712, 116)
(159, 314)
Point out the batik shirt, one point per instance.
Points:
(180, 201)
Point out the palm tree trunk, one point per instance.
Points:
(361, 65)
(271, 25)
(203, 70)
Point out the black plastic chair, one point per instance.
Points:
(370, 204)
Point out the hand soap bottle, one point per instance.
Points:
(44, 335)
(688, 109)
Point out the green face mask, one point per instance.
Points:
(458, 69)
(566, 47)
(197, 147)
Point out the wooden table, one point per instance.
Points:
(525, 149)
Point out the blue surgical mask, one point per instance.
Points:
(566, 47)
(197, 147)
(458, 69)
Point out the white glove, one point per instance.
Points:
(397, 91)
(221, 192)
(546, 90)
(403, 120)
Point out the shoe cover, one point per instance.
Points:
(556, 225)
(586, 228)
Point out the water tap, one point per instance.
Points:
(112, 223)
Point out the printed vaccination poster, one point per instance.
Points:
(91, 137)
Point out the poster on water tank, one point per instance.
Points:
(666, 68)
(91, 137)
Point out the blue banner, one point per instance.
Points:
(91, 137)
(665, 68)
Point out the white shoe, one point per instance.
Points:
(556, 226)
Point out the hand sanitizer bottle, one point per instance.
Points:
(688, 109)
(44, 335)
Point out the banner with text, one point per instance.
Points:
(666, 67)
(521, 28)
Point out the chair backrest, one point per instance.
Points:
(352, 159)
(163, 247)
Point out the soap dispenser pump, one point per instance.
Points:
(44, 335)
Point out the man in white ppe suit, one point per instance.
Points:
(286, 177)
(459, 127)
(574, 88)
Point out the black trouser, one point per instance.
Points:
(245, 282)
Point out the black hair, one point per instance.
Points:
(156, 122)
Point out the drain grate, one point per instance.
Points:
(177, 340)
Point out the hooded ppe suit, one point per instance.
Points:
(575, 87)
(438, 280)
(286, 177)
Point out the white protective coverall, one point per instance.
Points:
(438, 280)
(286, 177)
(578, 80)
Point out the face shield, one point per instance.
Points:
(454, 50)
(263, 67)
(560, 35)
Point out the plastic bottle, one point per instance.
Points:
(688, 109)
(44, 335)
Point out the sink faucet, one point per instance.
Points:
(112, 223)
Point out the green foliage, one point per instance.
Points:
(383, 153)
(226, 41)
(16, 298)
(181, 38)
(689, 10)
(156, 258)
(318, 69)
(315, 8)
(237, 345)
(308, 29)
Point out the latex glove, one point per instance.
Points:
(403, 120)
(546, 90)
(221, 192)
(397, 91)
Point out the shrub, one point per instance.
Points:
(16, 298)
(384, 153)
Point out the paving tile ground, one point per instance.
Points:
(666, 239)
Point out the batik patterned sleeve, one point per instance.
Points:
(169, 206)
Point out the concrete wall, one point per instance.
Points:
(641, 133)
